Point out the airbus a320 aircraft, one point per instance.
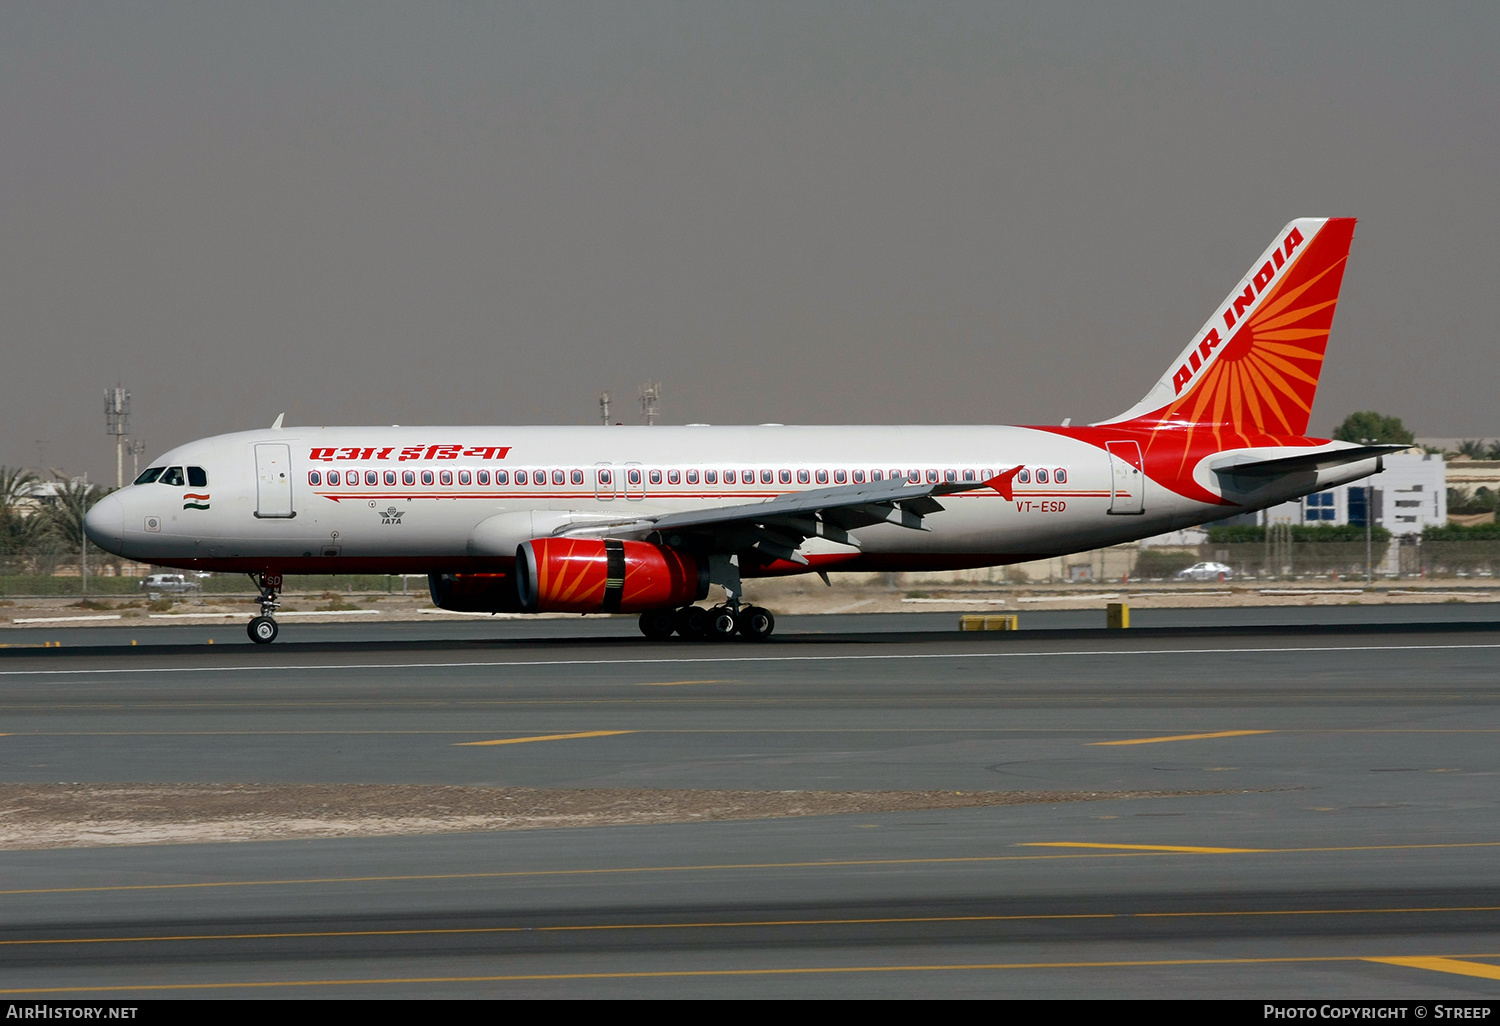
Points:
(646, 520)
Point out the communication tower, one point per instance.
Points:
(136, 447)
(651, 401)
(604, 408)
(117, 424)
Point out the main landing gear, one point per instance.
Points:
(720, 623)
(263, 628)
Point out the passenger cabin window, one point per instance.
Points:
(876, 475)
(173, 476)
(197, 477)
(333, 477)
(655, 476)
(729, 477)
(445, 477)
(149, 474)
(576, 477)
(558, 477)
(859, 477)
(520, 477)
(465, 478)
(483, 477)
(951, 476)
(538, 477)
(932, 476)
(914, 476)
(692, 477)
(674, 477)
(968, 475)
(710, 477)
(390, 477)
(803, 477)
(1024, 477)
(371, 477)
(408, 477)
(839, 477)
(765, 477)
(1060, 476)
(314, 478)
(633, 476)
(822, 476)
(606, 478)
(1041, 476)
(502, 477)
(427, 477)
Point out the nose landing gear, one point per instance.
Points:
(263, 628)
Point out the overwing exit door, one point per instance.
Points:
(1127, 478)
(273, 480)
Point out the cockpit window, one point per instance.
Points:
(173, 476)
(149, 474)
(197, 477)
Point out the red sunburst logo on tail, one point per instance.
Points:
(1250, 375)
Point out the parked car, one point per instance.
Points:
(169, 584)
(1205, 572)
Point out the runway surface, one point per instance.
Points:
(1348, 848)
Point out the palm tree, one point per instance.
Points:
(74, 499)
(15, 484)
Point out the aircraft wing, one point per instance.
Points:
(777, 526)
(1305, 462)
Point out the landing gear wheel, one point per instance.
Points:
(722, 623)
(658, 624)
(692, 622)
(262, 630)
(756, 623)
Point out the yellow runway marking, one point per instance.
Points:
(1447, 965)
(542, 737)
(690, 973)
(731, 867)
(740, 924)
(1183, 849)
(743, 924)
(1181, 737)
(678, 683)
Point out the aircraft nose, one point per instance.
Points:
(105, 523)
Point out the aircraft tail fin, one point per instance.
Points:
(1253, 369)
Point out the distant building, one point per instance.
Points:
(1411, 493)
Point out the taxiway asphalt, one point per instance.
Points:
(1348, 848)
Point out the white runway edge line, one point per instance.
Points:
(490, 663)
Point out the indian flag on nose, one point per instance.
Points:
(195, 500)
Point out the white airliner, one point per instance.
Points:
(646, 520)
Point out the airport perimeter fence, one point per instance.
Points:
(1429, 559)
(71, 584)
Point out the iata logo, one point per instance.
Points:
(390, 515)
(1199, 357)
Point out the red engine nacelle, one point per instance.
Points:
(584, 575)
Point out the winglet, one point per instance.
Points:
(276, 425)
(1003, 483)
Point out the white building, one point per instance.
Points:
(1409, 494)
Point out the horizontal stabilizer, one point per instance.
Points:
(1305, 462)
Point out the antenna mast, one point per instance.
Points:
(117, 425)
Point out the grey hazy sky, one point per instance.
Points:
(807, 212)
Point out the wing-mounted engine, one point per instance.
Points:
(474, 593)
(588, 575)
